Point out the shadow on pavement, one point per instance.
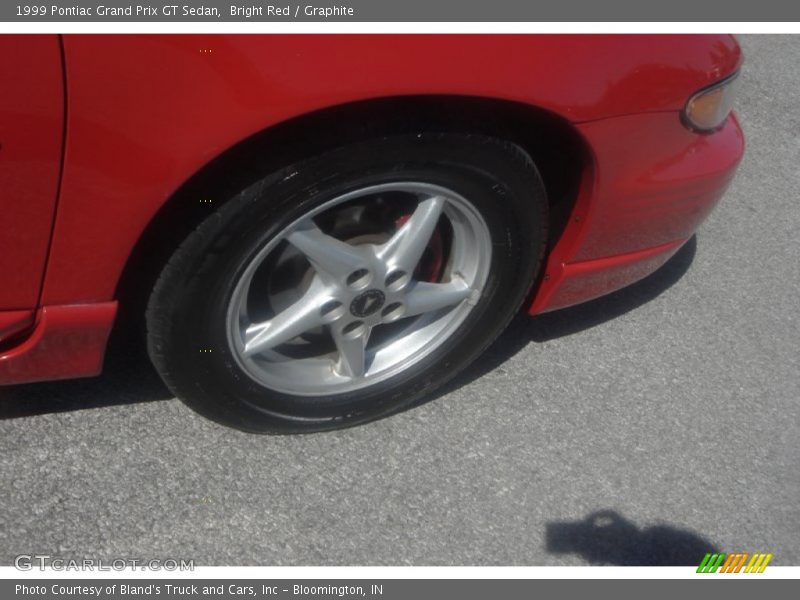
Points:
(128, 377)
(606, 538)
(571, 320)
(549, 326)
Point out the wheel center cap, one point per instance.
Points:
(367, 303)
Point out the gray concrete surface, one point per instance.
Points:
(673, 404)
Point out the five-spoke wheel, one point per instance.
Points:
(351, 284)
(350, 290)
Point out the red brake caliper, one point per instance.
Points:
(431, 264)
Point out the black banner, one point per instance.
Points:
(407, 10)
(374, 589)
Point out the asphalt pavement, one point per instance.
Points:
(645, 427)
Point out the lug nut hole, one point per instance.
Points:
(396, 280)
(358, 279)
(393, 311)
(332, 310)
(354, 329)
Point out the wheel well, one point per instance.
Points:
(557, 150)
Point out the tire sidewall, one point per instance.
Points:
(496, 177)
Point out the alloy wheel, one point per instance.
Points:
(358, 289)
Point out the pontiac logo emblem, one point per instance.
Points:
(367, 303)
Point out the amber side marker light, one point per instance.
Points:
(707, 110)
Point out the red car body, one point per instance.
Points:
(99, 133)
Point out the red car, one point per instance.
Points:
(317, 231)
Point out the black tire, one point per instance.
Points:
(186, 312)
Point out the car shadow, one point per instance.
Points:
(606, 538)
(525, 329)
(128, 376)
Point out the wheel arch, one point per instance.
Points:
(558, 151)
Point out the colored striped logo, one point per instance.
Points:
(734, 563)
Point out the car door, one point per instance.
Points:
(31, 143)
